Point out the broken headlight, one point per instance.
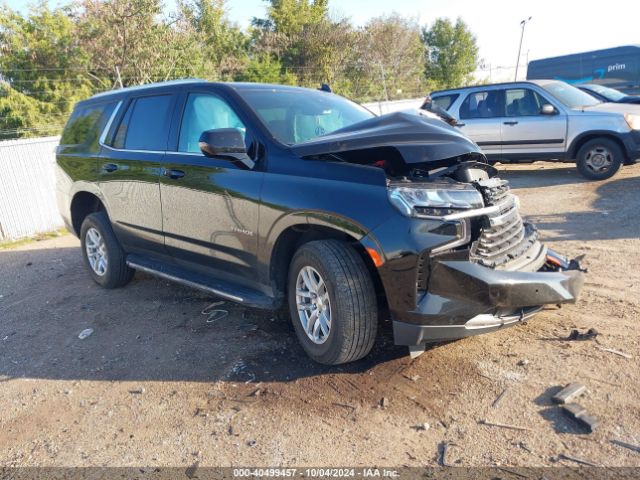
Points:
(434, 200)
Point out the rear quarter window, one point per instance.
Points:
(444, 101)
(82, 132)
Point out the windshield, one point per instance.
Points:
(608, 93)
(570, 96)
(295, 116)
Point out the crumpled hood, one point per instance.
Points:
(417, 137)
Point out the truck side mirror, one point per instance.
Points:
(226, 144)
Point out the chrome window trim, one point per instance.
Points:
(107, 127)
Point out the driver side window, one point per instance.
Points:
(202, 112)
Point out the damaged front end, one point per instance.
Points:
(467, 262)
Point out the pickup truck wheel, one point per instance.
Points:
(332, 302)
(599, 159)
(102, 253)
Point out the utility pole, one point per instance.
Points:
(119, 78)
(523, 23)
(384, 86)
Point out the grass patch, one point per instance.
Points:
(34, 238)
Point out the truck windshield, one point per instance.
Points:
(295, 116)
(569, 95)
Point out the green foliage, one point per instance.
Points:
(44, 69)
(451, 53)
(289, 17)
(51, 58)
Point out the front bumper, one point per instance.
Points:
(631, 142)
(465, 299)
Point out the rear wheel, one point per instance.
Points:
(102, 253)
(332, 302)
(599, 159)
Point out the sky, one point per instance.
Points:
(557, 27)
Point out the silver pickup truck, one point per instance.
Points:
(544, 120)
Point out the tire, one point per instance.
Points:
(114, 272)
(351, 306)
(599, 159)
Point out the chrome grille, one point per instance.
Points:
(503, 236)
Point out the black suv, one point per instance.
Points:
(265, 194)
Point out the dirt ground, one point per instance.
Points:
(156, 384)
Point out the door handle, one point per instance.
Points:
(511, 123)
(173, 174)
(110, 167)
(460, 124)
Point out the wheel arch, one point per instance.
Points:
(585, 137)
(309, 227)
(83, 203)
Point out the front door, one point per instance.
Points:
(526, 131)
(210, 206)
(129, 172)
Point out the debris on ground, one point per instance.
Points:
(524, 447)
(616, 352)
(85, 333)
(523, 363)
(384, 403)
(209, 308)
(588, 335)
(422, 427)
(619, 443)
(569, 393)
(577, 460)
(137, 391)
(580, 415)
(215, 315)
(443, 449)
(498, 398)
(502, 425)
(190, 472)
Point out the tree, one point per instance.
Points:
(391, 56)
(223, 46)
(44, 70)
(291, 16)
(451, 53)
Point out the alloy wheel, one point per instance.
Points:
(314, 305)
(96, 251)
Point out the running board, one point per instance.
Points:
(229, 291)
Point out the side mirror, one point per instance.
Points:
(225, 143)
(548, 109)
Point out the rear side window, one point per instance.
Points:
(488, 104)
(444, 101)
(145, 125)
(85, 126)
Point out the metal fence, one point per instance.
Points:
(27, 188)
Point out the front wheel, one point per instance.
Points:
(599, 159)
(332, 302)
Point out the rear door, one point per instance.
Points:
(210, 205)
(480, 116)
(526, 131)
(129, 171)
